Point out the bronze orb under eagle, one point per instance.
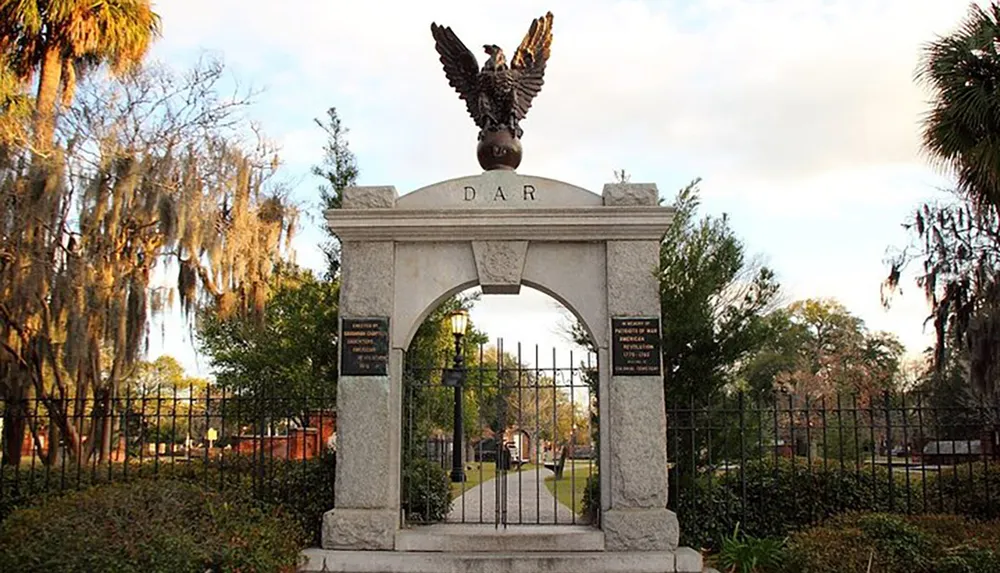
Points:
(499, 95)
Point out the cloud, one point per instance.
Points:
(781, 89)
(801, 115)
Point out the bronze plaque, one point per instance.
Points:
(635, 347)
(364, 347)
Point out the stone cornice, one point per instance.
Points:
(532, 224)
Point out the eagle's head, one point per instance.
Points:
(497, 60)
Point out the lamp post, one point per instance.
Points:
(455, 376)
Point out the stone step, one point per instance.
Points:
(684, 560)
(467, 538)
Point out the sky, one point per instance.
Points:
(801, 117)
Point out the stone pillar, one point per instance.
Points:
(366, 512)
(635, 517)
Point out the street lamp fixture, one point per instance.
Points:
(455, 376)
(459, 322)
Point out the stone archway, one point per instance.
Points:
(597, 254)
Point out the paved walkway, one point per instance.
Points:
(528, 501)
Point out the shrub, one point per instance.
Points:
(782, 497)
(427, 492)
(898, 541)
(707, 513)
(792, 494)
(859, 542)
(968, 560)
(966, 490)
(20, 488)
(150, 526)
(24, 487)
(303, 487)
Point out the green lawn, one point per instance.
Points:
(571, 486)
(473, 476)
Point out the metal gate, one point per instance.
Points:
(527, 436)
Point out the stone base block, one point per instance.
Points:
(365, 529)
(640, 530)
(472, 538)
(683, 560)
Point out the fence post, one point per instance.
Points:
(985, 435)
(743, 458)
(888, 447)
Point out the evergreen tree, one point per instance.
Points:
(339, 170)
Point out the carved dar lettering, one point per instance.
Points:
(527, 193)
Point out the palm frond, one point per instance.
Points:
(962, 73)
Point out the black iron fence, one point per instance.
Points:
(530, 426)
(911, 452)
(276, 441)
(525, 425)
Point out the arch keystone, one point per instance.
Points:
(500, 265)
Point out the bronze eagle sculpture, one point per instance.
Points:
(499, 95)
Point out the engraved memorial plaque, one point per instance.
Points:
(364, 347)
(635, 347)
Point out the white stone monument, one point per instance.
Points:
(599, 256)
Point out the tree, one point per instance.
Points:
(591, 379)
(958, 249)
(283, 364)
(536, 403)
(63, 39)
(164, 374)
(718, 321)
(429, 404)
(15, 110)
(838, 354)
(157, 178)
(952, 407)
(958, 242)
(781, 352)
(160, 390)
(962, 71)
(714, 302)
(834, 357)
(340, 170)
(431, 345)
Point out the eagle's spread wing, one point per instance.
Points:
(528, 63)
(460, 67)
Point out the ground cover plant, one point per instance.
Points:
(151, 526)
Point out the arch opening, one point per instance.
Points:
(531, 289)
(524, 417)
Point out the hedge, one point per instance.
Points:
(303, 487)
(972, 490)
(782, 497)
(885, 543)
(151, 526)
(426, 491)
